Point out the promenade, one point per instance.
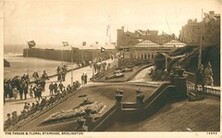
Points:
(104, 92)
(12, 104)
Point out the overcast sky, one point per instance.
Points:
(53, 21)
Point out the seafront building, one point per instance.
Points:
(191, 32)
(143, 45)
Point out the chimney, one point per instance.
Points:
(123, 28)
(211, 12)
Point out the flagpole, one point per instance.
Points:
(72, 65)
(201, 39)
(27, 54)
(93, 59)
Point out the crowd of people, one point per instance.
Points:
(35, 107)
(84, 78)
(35, 87)
(62, 71)
(204, 76)
(21, 86)
(15, 86)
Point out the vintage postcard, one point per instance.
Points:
(114, 68)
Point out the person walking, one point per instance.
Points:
(199, 77)
(55, 88)
(39, 92)
(59, 73)
(35, 91)
(31, 91)
(45, 76)
(64, 72)
(208, 75)
(51, 88)
(61, 86)
(43, 83)
(85, 79)
(25, 88)
(15, 92)
(21, 90)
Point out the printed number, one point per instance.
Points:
(211, 133)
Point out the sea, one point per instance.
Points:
(20, 65)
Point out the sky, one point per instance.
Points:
(49, 22)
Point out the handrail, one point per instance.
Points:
(155, 93)
(152, 100)
(97, 123)
(208, 90)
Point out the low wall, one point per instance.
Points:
(132, 111)
(65, 55)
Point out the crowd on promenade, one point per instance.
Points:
(22, 86)
(62, 71)
(33, 86)
(32, 108)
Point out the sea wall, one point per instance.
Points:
(78, 55)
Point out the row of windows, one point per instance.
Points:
(144, 56)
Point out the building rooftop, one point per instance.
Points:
(175, 43)
(149, 43)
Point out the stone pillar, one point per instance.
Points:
(181, 87)
(80, 125)
(89, 118)
(119, 98)
(139, 99)
(172, 78)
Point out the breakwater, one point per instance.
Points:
(75, 55)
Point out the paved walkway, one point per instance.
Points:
(141, 78)
(17, 105)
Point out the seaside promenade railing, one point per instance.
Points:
(214, 90)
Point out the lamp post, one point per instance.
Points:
(27, 54)
(201, 39)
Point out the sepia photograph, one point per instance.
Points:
(78, 66)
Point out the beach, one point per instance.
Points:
(20, 65)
